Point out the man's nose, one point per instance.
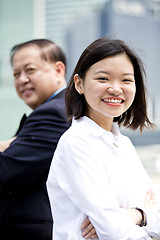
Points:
(23, 78)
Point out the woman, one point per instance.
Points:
(95, 171)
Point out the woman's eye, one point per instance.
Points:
(128, 80)
(103, 79)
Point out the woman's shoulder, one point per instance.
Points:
(77, 132)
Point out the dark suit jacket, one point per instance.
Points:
(24, 165)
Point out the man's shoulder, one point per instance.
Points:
(52, 104)
(53, 110)
(55, 104)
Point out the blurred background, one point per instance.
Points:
(73, 25)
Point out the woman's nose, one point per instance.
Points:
(115, 89)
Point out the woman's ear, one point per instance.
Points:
(78, 84)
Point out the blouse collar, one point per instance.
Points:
(94, 128)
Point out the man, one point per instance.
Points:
(39, 78)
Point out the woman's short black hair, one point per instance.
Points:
(136, 116)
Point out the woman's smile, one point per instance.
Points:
(113, 101)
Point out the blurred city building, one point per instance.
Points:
(137, 23)
(73, 24)
(20, 20)
(59, 15)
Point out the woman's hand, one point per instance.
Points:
(150, 198)
(88, 230)
(134, 214)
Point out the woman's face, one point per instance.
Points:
(109, 88)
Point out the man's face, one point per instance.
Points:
(35, 79)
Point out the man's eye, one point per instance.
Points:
(16, 74)
(30, 70)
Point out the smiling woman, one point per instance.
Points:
(136, 116)
(109, 88)
(95, 170)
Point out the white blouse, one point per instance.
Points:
(97, 173)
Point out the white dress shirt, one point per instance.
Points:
(97, 173)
